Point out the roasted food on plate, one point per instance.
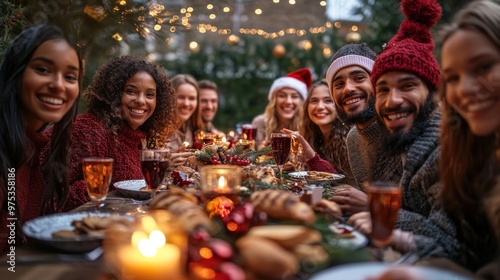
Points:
(90, 226)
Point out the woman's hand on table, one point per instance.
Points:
(177, 159)
(307, 151)
(351, 200)
(362, 222)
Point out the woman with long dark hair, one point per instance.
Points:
(470, 132)
(40, 79)
(323, 135)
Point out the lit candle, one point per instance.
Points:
(222, 186)
(150, 258)
(217, 180)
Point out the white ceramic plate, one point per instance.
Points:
(132, 189)
(40, 230)
(360, 271)
(322, 182)
(298, 174)
(356, 242)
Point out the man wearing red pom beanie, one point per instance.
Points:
(405, 78)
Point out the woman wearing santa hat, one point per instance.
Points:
(285, 107)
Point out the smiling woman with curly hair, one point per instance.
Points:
(129, 100)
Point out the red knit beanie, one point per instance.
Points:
(410, 50)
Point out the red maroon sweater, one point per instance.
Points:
(91, 138)
(29, 190)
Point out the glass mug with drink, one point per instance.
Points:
(248, 132)
(154, 165)
(384, 200)
(281, 144)
(97, 174)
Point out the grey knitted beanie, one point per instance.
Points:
(348, 55)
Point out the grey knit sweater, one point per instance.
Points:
(421, 211)
(369, 162)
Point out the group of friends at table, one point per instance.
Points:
(399, 115)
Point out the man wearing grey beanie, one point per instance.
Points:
(348, 79)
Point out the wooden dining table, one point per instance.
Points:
(35, 261)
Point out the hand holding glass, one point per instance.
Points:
(97, 174)
(384, 199)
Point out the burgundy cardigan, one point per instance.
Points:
(91, 138)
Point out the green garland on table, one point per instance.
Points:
(224, 156)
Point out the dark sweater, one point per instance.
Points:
(421, 211)
(91, 138)
(29, 190)
(368, 160)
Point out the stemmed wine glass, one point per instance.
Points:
(154, 164)
(97, 174)
(281, 143)
(384, 199)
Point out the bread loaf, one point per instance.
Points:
(265, 257)
(287, 236)
(281, 204)
(183, 205)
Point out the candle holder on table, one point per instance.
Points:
(220, 180)
(154, 248)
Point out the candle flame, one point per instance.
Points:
(224, 139)
(147, 248)
(158, 238)
(231, 134)
(222, 183)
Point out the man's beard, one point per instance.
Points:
(396, 143)
(362, 117)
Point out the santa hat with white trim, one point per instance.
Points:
(299, 80)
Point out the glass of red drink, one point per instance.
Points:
(154, 164)
(248, 132)
(384, 200)
(281, 144)
(97, 174)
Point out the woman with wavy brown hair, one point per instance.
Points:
(323, 135)
(470, 133)
(129, 100)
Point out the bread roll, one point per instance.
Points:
(330, 208)
(281, 204)
(184, 206)
(287, 236)
(265, 257)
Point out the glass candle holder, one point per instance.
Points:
(221, 180)
(155, 248)
(247, 144)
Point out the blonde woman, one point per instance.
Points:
(285, 107)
